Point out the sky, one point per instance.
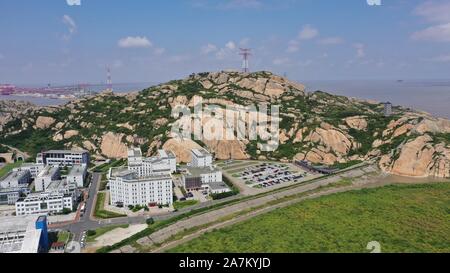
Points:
(73, 41)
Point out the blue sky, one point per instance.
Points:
(154, 41)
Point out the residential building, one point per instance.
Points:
(78, 175)
(201, 158)
(46, 176)
(200, 178)
(34, 168)
(163, 164)
(24, 234)
(16, 179)
(63, 158)
(127, 187)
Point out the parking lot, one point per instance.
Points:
(256, 176)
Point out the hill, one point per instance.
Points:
(319, 127)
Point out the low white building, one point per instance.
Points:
(200, 178)
(44, 203)
(165, 163)
(34, 168)
(201, 158)
(129, 188)
(218, 188)
(63, 158)
(16, 179)
(78, 175)
(46, 176)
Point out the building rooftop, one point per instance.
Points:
(18, 234)
(134, 152)
(48, 171)
(200, 152)
(132, 176)
(65, 152)
(14, 175)
(195, 172)
(218, 186)
(77, 170)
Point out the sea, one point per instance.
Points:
(432, 96)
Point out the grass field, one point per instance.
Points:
(402, 218)
(100, 231)
(8, 167)
(184, 204)
(100, 211)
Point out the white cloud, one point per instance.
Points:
(71, 27)
(230, 45)
(434, 11)
(308, 33)
(134, 42)
(439, 33)
(73, 2)
(209, 48)
(331, 41)
(360, 50)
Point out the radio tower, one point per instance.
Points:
(245, 53)
(109, 80)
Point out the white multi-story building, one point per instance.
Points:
(200, 178)
(127, 187)
(24, 234)
(163, 164)
(201, 158)
(16, 179)
(44, 203)
(34, 168)
(9, 196)
(78, 175)
(45, 177)
(58, 196)
(63, 158)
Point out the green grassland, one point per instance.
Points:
(402, 218)
(100, 211)
(8, 167)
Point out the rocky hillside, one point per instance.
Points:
(319, 127)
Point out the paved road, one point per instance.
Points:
(88, 222)
(161, 235)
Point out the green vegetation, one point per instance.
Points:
(92, 235)
(184, 204)
(63, 236)
(343, 166)
(403, 218)
(112, 164)
(100, 211)
(9, 167)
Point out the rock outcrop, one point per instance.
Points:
(44, 122)
(112, 146)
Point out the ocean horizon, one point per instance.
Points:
(432, 96)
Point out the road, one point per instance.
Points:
(88, 222)
(163, 234)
